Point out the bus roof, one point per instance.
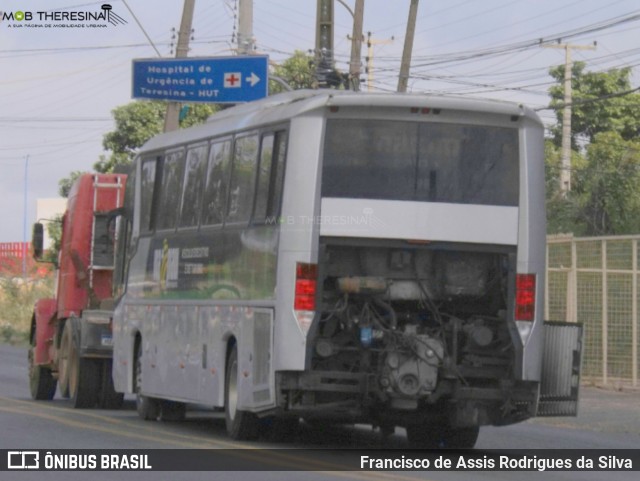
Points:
(282, 107)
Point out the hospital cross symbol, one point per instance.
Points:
(232, 80)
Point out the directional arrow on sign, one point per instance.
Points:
(254, 79)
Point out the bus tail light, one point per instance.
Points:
(304, 303)
(525, 304)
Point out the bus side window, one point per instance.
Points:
(193, 185)
(277, 174)
(170, 190)
(264, 177)
(242, 183)
(215, 195)
(147, 187)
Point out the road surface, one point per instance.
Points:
(608, 420)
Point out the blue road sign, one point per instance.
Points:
(211, 79)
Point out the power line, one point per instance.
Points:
(590, 101)
(142, 28)
(55, 119)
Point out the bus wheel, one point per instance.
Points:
(84, 374)
(279, 429)
(63, 361)
(148, 408)
(241, 425)
(172, 411)
(441, 436)
(108, 397)
(41, 382)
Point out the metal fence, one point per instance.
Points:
(594, 280)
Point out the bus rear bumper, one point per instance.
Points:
(358, 397)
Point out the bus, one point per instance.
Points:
(343, 257)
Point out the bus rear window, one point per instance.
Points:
(432, 162)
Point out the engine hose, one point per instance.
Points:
(390, 311)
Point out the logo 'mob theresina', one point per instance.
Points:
(53, 18)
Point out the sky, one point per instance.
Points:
(58, 85)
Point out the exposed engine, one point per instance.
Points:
(408, 318)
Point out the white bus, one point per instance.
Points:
(343, 257)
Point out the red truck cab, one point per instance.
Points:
(71, 333)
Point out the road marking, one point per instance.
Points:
(244, 451)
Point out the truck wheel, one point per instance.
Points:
(148, 408)
(441, 436)
(241, 425)
(108, 397)
(41, 382)
(63, 360)
(84, 375)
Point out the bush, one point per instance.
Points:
(17, 297)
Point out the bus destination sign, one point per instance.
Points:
(210, 79)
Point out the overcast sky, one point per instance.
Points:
(59, 85)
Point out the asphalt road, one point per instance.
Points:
(608, 420)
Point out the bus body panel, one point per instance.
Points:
(298, 235)
(378, 219)
(532, 238)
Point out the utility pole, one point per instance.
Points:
(324, 41)
(403, 78)
(24, 229)
(565, 171)
(245, 28)
(356, 46)
(172, 117)
(370, 43)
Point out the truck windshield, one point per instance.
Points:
(426, 161)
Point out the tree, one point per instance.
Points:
(54, 229)
(605, 121)
(297, 71)
(599, 103)
(65, 184)
(607, 187)
(562, 210)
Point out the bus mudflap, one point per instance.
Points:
(561, 362)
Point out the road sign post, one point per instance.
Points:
(213, 79)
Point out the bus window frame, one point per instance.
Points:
(227, 176)
(270, 210)
(188, 148)
(157, 158)
(263, 135)
(160, 191)
(239, 136)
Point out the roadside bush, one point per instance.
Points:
(17, 297)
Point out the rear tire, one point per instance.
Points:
(148, 408)
(172, 411)
(63, 360)
(84, 374)
(41, 382)
(441, 436)
(241, 425)
(108, 398)
(280, 429)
